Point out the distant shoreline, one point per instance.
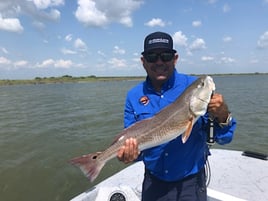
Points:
(92, 78)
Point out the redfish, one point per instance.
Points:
(174, 120)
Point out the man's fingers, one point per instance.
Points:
(136, 150)
(120, 153)
(124, 152)
(131, 148)
(129, 151)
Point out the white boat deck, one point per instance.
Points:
(233, 177)
(237, 175)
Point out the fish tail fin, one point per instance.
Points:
(188, 131)
(89, 165)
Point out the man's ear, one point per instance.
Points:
(143, 61)
(176, 59)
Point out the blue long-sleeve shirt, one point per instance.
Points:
(174, 160)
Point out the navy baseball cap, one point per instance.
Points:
(158, 40)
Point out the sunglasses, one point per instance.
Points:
(153, 57)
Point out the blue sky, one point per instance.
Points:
(46, 38)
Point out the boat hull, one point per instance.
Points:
(234, 176)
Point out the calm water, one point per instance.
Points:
(43, 126)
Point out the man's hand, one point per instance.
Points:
(129, 151)
(218, 108)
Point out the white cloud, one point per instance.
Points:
(207, 58)
(88, 14)
(8, 64)
(80, 45)
(101, 53)
(68, 51)
(227, 60)
(180, 39)
(20, 63)
(54, 14)
(4, 50)
(10, 8)
(63, 63)
(45, 63)
(39, 10)
(118, 50)
(51, 15)
(44, 15)
(102, 12)
(227, 39)
(10, 24)
(55, 63)
(43, 4)
(136, 60)
(117, 63)
(197, 23)
(263, 41)
(39, 25)
(127, 21)
(226, 8)
(4, 61)
(198, 44)
(155, 22)
(254, 61)
(68, 37)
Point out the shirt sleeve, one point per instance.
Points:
(129, 119)
(129, 114)
(224, 135)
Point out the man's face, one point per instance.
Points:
(159, 64)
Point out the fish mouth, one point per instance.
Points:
(206, 100)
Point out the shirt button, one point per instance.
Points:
(166, 154)
(162, 96)
(166, 171)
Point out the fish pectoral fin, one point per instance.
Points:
(188, 131)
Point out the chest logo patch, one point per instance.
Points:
(144, 100)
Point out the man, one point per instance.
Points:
(173, 171)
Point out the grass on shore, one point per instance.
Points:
(66, 79)
(92, 78)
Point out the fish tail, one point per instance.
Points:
(89, 165)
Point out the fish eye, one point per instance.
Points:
(202, 84)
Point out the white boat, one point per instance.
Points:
(234, 176)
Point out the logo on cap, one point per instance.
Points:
(158, 40)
